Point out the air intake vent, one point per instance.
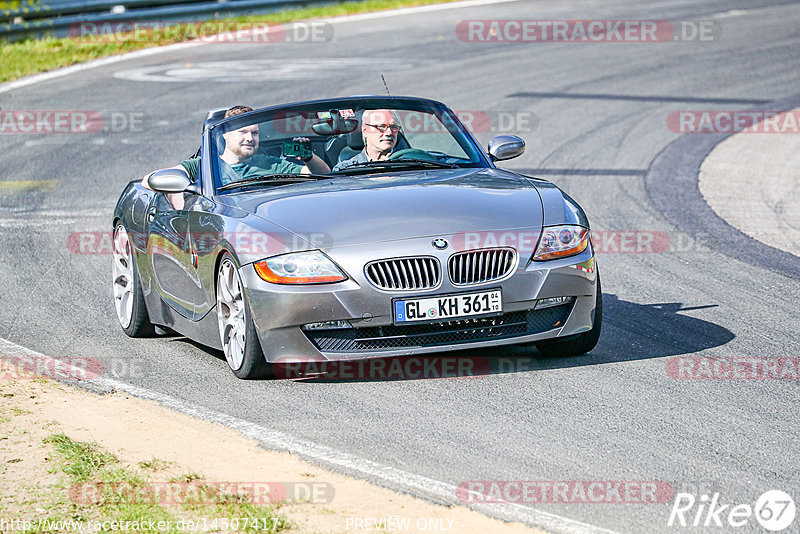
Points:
(388, 337)
(479, 266)
(423, 272)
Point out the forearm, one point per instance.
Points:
(317, 166)
(145, 180)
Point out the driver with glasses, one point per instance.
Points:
(380, 129)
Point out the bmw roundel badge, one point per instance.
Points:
(439, 243)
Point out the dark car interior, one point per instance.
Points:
(332, 149)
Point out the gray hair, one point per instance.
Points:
(368, 112)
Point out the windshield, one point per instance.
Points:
(343, 137)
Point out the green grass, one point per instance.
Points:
(98, 487)
(31, 56)
(81, 461)
(188, 477)
(154, 464)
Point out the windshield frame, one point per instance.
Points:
(359, 102)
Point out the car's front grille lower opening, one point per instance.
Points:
(509, 325)
(412, 273)
(480, 266)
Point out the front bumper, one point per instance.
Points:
(280, 311)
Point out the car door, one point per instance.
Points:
(206, 233)
(170, 253)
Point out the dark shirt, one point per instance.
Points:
(258, 165)
(361, 157)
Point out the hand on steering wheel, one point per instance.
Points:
(413, 153)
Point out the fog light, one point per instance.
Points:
(554, 301)
(327, 325)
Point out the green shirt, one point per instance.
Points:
(258, 165)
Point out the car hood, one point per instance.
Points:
(351, 210)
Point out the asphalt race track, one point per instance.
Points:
(594, 116)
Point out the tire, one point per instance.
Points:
(127, 287)
(579, 343)
(237, 331)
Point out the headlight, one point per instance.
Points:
(300, 268)
(560, 242)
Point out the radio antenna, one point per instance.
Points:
(386, 86)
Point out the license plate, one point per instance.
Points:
(447, 307)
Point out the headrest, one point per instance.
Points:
(355, 140)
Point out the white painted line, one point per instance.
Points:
(749, 11)
(15, 218)
(27, 185)
(261, 70)
(18, 224)
(97, 210)
(58, 73)
(421, 486)
(731, 13)
(56, 213)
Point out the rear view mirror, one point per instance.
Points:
(169, 181)
(333, 126)
(505, 147)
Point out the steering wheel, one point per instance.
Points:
(413, 153)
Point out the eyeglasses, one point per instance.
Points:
(383, 127)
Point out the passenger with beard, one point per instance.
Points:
(380, 129)
(240, 160)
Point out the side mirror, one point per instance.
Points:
(505, 147)
(169, 181)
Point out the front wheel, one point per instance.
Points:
(236, 328)
(579, 343)
(128, 294)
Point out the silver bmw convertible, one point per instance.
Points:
(352, 228)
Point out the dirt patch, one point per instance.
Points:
(173, 446)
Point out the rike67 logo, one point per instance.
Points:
(774, 510)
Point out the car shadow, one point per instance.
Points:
(179, 338)
(631, 331)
